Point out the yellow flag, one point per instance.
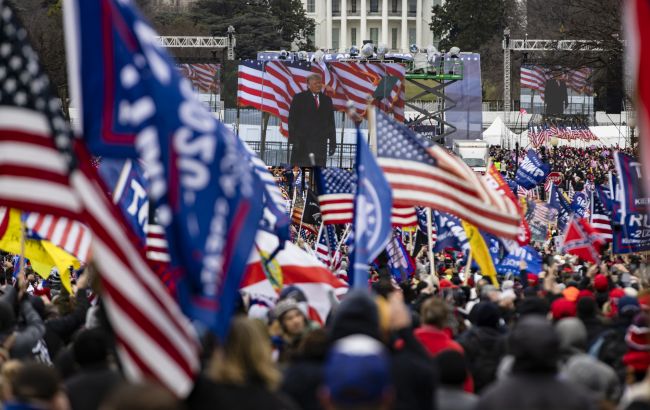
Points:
(41, 254)
(480, 252)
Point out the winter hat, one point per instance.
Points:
(533, 280)
(357, 371)
(638, 334)
(356, 314)
(571, 293)
(446, 283)
(600, 283)
(485, 314)
(585, 293)
(572, 333)
(586, 308)
(534, 344)
(284, 307)
(628, 306)
(595, 376)
(561, 308)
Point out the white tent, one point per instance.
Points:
(498, 133)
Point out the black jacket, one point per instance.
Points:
(528, 391)
(209, 395)
(484, 348)
(310, 129)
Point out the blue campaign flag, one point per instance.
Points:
(630, 207)
(532, 171)
(134, 103)
(372, 212)
(450, 233)
(510, 263)
(557, 201)
(580, 204)
(129, 191)
(512, 185)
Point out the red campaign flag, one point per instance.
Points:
(637, 15)
(582, 240)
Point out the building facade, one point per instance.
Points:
(397, 24)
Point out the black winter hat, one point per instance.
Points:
(357, 314)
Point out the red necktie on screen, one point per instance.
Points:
(316, 99)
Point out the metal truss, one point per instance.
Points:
(192, 42)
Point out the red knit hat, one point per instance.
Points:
(533, 280)
(600, 283)
(561, 308)
(639, 361)
(585, 293)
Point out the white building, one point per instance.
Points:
(395, 23)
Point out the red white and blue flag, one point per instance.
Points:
(426, 175)
(582, 240)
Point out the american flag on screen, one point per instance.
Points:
(426, 175)
(534, 78)
(270, 86)
(336, 197)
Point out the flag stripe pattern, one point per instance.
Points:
(156, 246)
(599, 218)
(270, 86)
(426, 175)
(68, 234)
(153, 335)
(204, 77)
(336, 200)
(534, 77)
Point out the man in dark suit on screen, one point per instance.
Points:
(311, 125)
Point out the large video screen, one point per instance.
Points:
(556, 91)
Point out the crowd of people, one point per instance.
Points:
(575, 336)
(578, 166)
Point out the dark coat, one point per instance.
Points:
(526, 391)
(310, 129)
(209, 395)
(90, 387)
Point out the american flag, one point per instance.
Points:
(322, 250)
(154, 339)
(425, 175)
(580, 80)
(156, 246)
(599, 219)
(68, 234)
(270, 86)
(534, 77)
(204, 77)
(537, 135)
(337, 196)
(422, 223)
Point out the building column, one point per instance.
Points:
(343, 41)
(384, 23)
(418, 25)
(363, 34)
(405, 27)
(328, 24)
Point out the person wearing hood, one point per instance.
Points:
(587, 312)
(534, 384)
(388, 320)
(483, 343)
(597, 378)
(293, 324)
(22, 342)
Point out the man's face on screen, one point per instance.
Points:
(315, 85)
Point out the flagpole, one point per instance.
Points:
(21, 260)
(304, 205)
(432, 260)
(320, 232)
(344, 237)
(468, 267)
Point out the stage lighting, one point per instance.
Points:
(414, 48)
(284, 54)
(454, 52)
(303, 56)
(354, 51)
